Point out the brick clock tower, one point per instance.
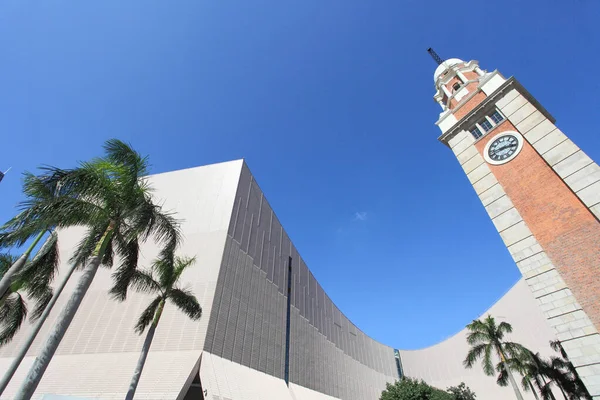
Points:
(542, 193)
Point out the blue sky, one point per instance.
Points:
(330, 102)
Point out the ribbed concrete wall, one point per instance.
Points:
(327, 352)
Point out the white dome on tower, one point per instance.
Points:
(444, 66)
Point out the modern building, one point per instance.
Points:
(270, 332)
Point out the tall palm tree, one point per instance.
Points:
(531, 370)
(486, 338)
(38, 190)
(546, 373)
(13, 307)
(39, 274)
(162, 281)
(112, 198)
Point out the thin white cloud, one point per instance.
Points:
(360, 216)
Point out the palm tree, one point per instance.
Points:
(13, 308)
(164, 285)
(545, 373)
(487, 338)
(39, 274)
(38, 190)
(530, 368)
(110, 196)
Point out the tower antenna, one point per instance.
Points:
(435, 56)
(4, 173)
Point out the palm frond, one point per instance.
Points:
(14, 313)
(144, 282)
(10, 237)
(181, 264)
(121, 153)
(6, 261)
(147, 315)
(487, 362)
(89, 181)
(477, 337)
(86, 246)
(42, 300)
(515, 350)
(474, 354)
(109, 255)
(504, 328)
(129, 253)
(186, 302)
(38, 274)
(164, 269)
(502, 379)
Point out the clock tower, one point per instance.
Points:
(542, 193)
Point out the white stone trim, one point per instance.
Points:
(461, 76)
(520, 141)
(446, 91)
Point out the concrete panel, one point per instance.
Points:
(224, 379)
(457, 138)
(571, 165)
(583, 177)
(596, 210)
(512, 106)
(478, 173)
(560, 152)
(590, 195)
(485, 183)
(507, 219)
(549, 141)
(525, 111)
(508, 97)
(530, 122)
(524, 249)
(499, 206)
(492, 84)
(539, 131)
(492, 194)
(468, 154)
(473, 163)
(447, 122)
(106, 376)
(515, 233)
(461, 145)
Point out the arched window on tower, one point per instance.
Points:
(455, 87)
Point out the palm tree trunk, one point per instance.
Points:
(511, 378)
(6, 280)
(32, 335)
(144, 354)
(36, 372)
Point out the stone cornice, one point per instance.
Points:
(468, 120)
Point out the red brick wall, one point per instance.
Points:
(469, 105)
(560, 222)
(470, 75)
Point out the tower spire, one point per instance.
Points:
(3, 173)
(435, 56)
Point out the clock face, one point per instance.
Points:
(503, 148)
